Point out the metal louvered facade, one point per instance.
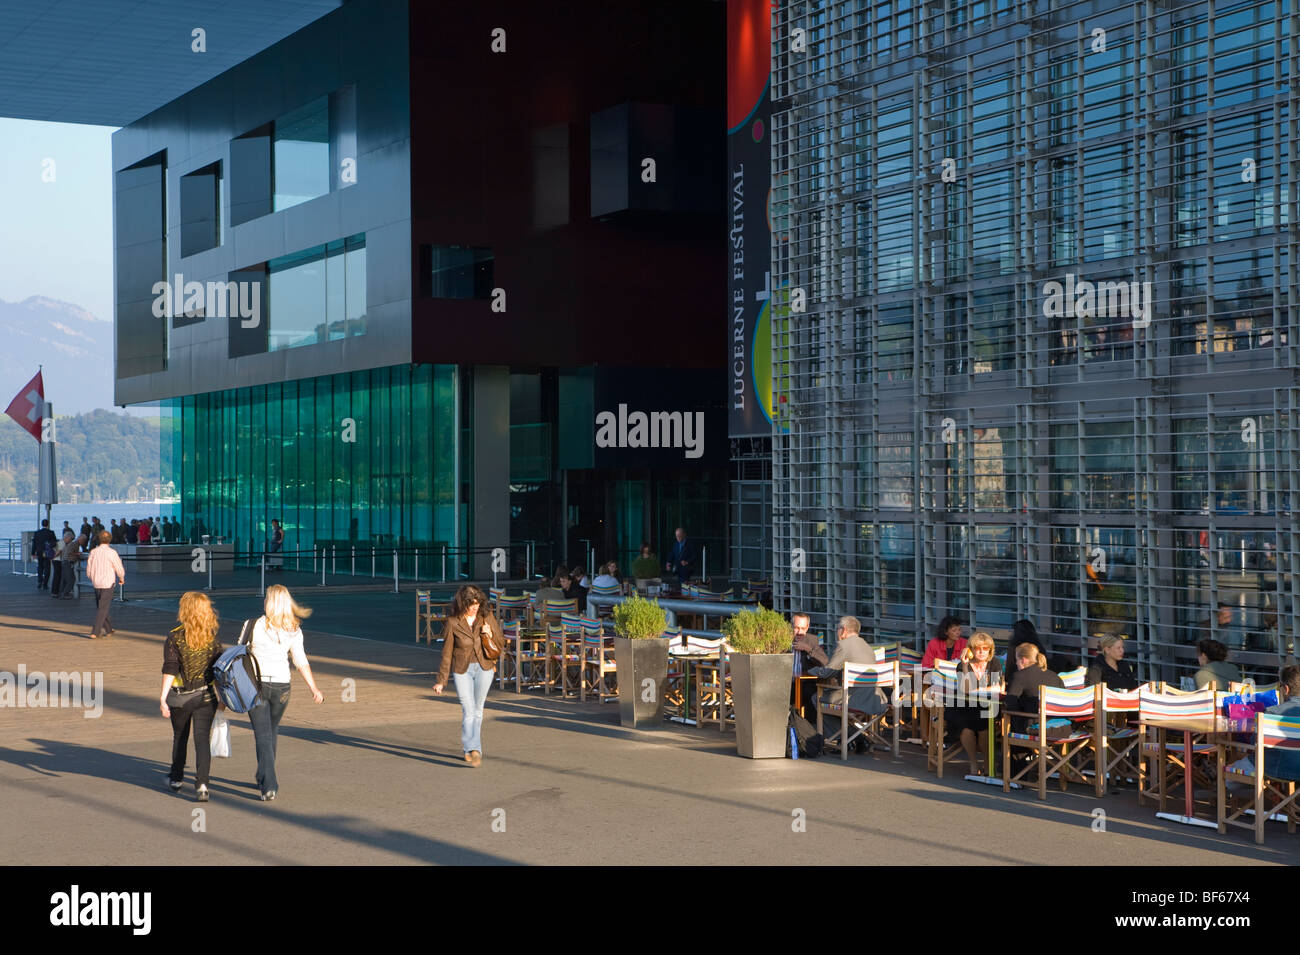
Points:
(954, 436)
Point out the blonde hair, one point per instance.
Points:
(980, 639)
(282, 611)
(1108, 641)
(199, 618)
(1027, 651)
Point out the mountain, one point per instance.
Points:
(74, 346)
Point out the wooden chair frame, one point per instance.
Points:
(1061, 755)
(1271, 732)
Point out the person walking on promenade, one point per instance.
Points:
(69, 556)
(43, 550)
(188, 698)
(103, 567)
(277, 636)
(469, 622)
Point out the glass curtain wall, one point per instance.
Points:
(365, 459)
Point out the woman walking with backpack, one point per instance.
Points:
(187, 695)
(471, 663)
(277, 636)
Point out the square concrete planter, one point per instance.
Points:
(641, 704)
(760, 688)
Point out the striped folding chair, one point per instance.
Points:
(495, 594)
(598, 666)
(513, 608)
(603, 590)
(1059, 747)
(855, 723)
(713, 699)
(907, 696)
(886, 652)
(1272, 789)
(553, 610)
(563, 658)
(1169, 760)
(1073, 679)
(425, 618)
(940, 692)
(508, 666)
(1118, 739)
(681, 653)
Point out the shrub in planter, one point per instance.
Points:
(762, 666)
(641, 654)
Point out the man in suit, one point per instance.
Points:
(681, 559)
(42, 549)
(850, 649)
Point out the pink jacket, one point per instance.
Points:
(937, 648)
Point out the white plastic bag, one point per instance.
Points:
(219, 739)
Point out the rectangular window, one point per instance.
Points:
(317, 295)
(460, 271)
(201, 210)
(250, 175)
(140, 247)
(301, 154)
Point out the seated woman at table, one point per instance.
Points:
(978, 668)
(607, 576)
(1215, 669)
(948, 643)
(1030, 676)
(1110, 667)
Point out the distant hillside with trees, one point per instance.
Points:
(101, 455)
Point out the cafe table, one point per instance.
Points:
(1218, 726)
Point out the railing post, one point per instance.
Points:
(395, 587)
(704, 565)
(417, 565)
(334, 559)
(354, 560)
(322, 566)
(209, 569)
(372, 560)
(444, 563)
(263, 592)
(313, 558)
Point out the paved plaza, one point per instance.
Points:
(381, 780)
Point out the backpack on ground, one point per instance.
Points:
(811, 742)
(236, 677)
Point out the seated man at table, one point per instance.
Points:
(850, 649)
(810, 655)
(1278, 763)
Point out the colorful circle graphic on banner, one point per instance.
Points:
(760, 359)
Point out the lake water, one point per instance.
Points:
(16, 518)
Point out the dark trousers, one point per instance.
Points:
(42, 572)
(57, 583)
(103, 604)
(197, 709)
(69, 578)
(265, 717)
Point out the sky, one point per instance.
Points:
(56, 238)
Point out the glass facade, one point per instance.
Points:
(365, 459)
(318, 295)
(1048, 365)
(301, 154)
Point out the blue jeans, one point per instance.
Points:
(472, 688)
(265, 717)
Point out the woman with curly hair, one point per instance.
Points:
(187, 696)
(469, 621)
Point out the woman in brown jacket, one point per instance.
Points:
(463, 657)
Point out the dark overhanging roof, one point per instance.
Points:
(110, 62)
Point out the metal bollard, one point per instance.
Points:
(354, 560)
(444, 563)
(334, 559)
(209, 570)
(704, 566)
(372, 561)
(263, 592)
(322, 567)
(313, 558)
(417, 565)
(396, 590)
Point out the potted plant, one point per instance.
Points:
(641, 656)
(761, 666)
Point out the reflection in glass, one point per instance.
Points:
(301, 154)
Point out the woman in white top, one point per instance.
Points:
(277, 636)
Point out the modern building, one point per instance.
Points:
(442, 278)
(1035, 352)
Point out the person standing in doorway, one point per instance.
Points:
(469, 622)
(103, 567)
(43, 550)
(681, 559)
(277, 637)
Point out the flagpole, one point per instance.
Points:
(39, 441)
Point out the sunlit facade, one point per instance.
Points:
(958, 434)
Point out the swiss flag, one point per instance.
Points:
(28, 407)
